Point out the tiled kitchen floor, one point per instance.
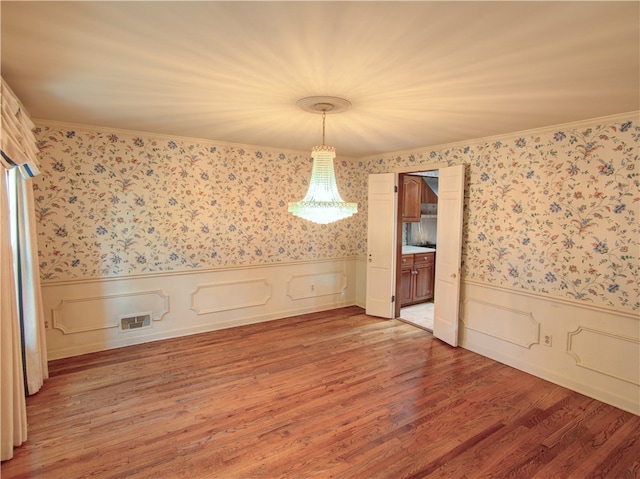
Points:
(419, 314)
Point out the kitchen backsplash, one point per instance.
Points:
(424, 232)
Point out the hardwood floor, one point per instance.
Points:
(336, 394)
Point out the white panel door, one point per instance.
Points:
(381, 244)
(448, 254)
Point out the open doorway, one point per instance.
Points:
(385, 289)
(417, 242)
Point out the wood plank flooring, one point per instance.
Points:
(336, 394)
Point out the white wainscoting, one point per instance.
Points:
(589, 349)
(361, 281)
(84, 315)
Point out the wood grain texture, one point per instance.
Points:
(336, 394)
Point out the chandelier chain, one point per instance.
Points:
(324, 115)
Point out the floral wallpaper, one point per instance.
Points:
(111, 204)
(553, 212)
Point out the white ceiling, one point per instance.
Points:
(416, 73)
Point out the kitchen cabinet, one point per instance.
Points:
(424, 267)
(417, 276)
(412, 197)
(428, 195)
(405, 295)
(415, 192)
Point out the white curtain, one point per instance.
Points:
(22, 338)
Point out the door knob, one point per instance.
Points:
(453, 276)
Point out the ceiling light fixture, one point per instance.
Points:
(322, 203)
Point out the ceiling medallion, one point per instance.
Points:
(324, 104)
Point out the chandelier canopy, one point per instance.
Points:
(323, 204)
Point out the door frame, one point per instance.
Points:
(398, 257)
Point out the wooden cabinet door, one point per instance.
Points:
(423, 290)
(428, 195)
(406, 280)
(412, 196)
(406, 285)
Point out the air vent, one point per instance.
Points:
(137, 321)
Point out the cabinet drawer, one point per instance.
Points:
(407, 260)
(420, 258)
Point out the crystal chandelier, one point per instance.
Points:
(322, 204)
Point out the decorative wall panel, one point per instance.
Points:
(318, 284)
(517, 327)
(212, 298)
(606, 353)
(102, 312)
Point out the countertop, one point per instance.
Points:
(416, 249)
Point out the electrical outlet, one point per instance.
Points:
(547, 340)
